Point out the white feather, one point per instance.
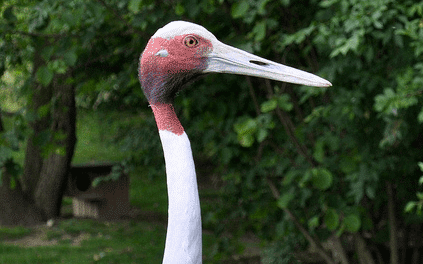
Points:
(177, 28)
(183, 238)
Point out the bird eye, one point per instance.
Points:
(190, 41)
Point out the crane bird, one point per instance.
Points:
(177, 53)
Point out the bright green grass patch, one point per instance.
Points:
(14, 232)
(102, 242)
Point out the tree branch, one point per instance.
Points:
(38, 34)
(290, 128)
(338, 250)
(253, 95)
(315, 243)
(392, 224)
(363, 253)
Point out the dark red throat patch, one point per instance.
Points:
(166, 118)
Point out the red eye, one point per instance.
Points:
(190, 41)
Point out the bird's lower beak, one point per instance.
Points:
(227, 59)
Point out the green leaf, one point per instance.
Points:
(298, 37)
(321, 178)
(410, 206)
(285, 198)
(313, 222)
(225, 155)
(327, 3)
(47, 52)
(260, 31)
(290, 176)
(306, 177)
(331, 219)
(317, 112)
(340, 231)
(370, 192)
(12, 183)
(134, 6)
(262, 134)
(179, 9)
(378, 24)
(246, 140)
(41, 22)
(352, 223)
(349, 164)
(70, 18)
(348, 44)
(262, 7)
(58, 66)
(97, 181)
(43, 110)
(285, 2)
(61, 151)
(9, 16)
(239, 9)
(419, 116)
(382, 100)
(285, 103)
(246, 126)
(319, 151)
(268, 106)
(44, 75)
(70, 58)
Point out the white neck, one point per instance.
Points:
(183, 238)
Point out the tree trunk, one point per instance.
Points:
(15, 209)
(41, 96)
(54, 169)
(48, 154)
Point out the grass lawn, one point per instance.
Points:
(139, 239)
(86, 241)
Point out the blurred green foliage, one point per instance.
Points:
(324, 155)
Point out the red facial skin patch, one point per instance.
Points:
(155, 70)
(166, 118)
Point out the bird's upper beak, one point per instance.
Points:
(227, 59)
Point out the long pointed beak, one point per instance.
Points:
(227, 59)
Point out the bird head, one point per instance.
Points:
(181, 51)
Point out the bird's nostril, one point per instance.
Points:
(258, 62)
